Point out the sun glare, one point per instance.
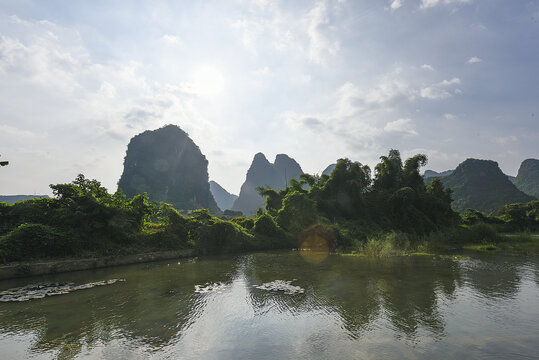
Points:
(208, 81)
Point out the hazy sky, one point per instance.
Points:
(316, 80)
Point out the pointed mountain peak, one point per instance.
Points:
(260, 157)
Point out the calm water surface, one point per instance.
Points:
(419, 307)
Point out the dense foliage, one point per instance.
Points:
(348, 209)
(357, 204)
(83, 219)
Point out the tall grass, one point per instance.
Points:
(397, 243)
(387, 244)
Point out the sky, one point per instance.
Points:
(317, 80)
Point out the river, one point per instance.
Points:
(284, 305)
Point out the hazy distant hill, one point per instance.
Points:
(527, 179)
(264, 173)
(327, 171)
(224, 199)
(12, 199)
(432, 174)
(481, 185)
(169, 166)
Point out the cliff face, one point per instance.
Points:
(329, 169)
(224, 199)
(169, 166)
(527, 179)
(264, 173)
(481, 185)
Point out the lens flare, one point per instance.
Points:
(316, 243)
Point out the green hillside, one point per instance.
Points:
(527, 179)
(481, 185)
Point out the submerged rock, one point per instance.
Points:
(281, 285)
(41, 290)
(209, 287)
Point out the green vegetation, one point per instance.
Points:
(481, 185)
(83, 219)
(390, 213)
(358, 206)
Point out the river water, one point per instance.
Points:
(285, 305)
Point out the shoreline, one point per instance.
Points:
(26, 269)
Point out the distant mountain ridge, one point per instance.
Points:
(169, 166)
(432, 174)
(224, 199)
(263, 173)
(481, 185)
(12, 199)
(329, 169)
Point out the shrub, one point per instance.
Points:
(221, 237)
(266, 225)
(482, 233)
(31, 241)
(388, 244)
(244, 222)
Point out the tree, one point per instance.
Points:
(388, 173)
(4, 163)
(410, 172)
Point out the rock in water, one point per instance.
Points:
(263, 173)
(169, 166)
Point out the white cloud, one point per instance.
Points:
(439, 90)
(427, 67)
(20, 135)
(263, 72)
(400, 126)
(448, 116)
(474, 60)
(431, 3)
(504, 139)
(311, 35)
(107, 90)
(395, 4)
(171, 39)
(318, 29)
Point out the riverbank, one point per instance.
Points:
(44, 267)
(399, 244)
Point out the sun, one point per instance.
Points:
(209, 81)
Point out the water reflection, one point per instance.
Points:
(351, 306)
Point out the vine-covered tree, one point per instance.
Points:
(4, 163)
